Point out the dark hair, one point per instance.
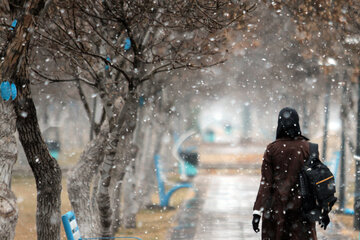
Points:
(288, 124)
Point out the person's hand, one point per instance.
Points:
(255, 222)
(325, 220)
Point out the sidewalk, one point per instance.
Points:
(223, 210)
(227, 209)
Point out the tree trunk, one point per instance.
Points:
(128, 116)
(80, 180)
(117, 207)
(128, 217)
(117, 178)
(103, 197)
(85, 174)
(145, 169)
(94, 207)
(306, 118)
(326, 121)
(148, 133)
(130, 210)
(132, 195)
(127, 152)
(357, 165)
(48, 186)
(343, 117)
(8, 150)
(45, 168)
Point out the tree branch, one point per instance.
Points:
(54, 80)
(83, 100)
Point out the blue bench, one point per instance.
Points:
(163, 195)
(72, 230)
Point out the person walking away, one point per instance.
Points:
(279, 197)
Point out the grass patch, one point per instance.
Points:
(25, 191)
(152, 224)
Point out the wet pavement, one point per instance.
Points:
(222, 209)
(226, 212)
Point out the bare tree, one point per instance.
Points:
(45, 168)
(133, 42)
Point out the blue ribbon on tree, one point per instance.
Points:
(8, 90)
(13, 91)
(13, 24)
(141, 101)
(127, 44)
(107, 67)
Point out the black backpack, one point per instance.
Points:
(317, 186)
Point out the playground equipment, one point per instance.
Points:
(72, 229)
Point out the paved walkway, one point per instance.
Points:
(223, 210)
(227, 210)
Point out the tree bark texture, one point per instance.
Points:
(154, 130)
(95, 209)
(117, 177)
(83, 180)
(144, 165)
(127, 152)
(128, 218)
(45, 168)
(130, 210)
(120, 132)
(144, 144)
(145, 173)
(14, 59)
(17, 47)
(116, 222)
(8, 156)
(80, 180)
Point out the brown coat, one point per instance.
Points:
(279, 195)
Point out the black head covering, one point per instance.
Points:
(288, 124)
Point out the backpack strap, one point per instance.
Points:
(314, 150)
(313, 153)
